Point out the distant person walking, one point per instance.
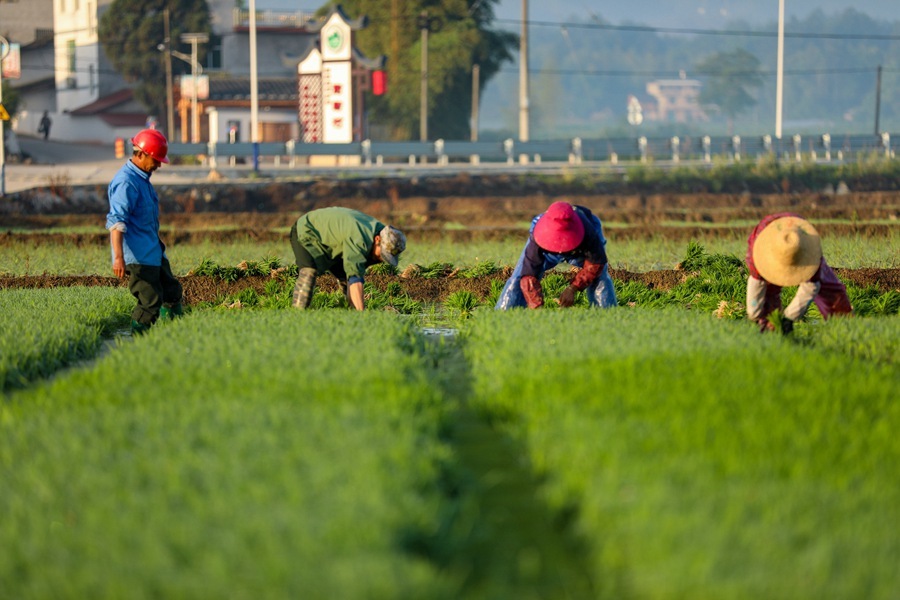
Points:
(564, 233)
(133, 224)
(785, 250)
(44, 126)
(344, 242)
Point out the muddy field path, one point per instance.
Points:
(458, 207)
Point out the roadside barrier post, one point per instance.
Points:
(289, 148)
(676, 143)
(508, 149)
(642, 148)
(796, 140)
(707, 148)
(211, 151)
(575, 156)
(736, 147)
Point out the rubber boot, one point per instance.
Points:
(171, 313)
(303, 290)
(138, 328)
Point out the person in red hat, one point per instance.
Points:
(564, 233)
(785, 250)
(133, 224)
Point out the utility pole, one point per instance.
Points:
(423, 88)
(523, 76)
(877, 100)
(395, 41)
(476, 79)
(779, 79)
(254, 85)
(170, 110)
(193, 39)
(4, 50)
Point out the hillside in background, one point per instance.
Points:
(688, 13)
(585, 65)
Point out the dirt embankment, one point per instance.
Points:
(460, 208)
(199, 288)
(470, 200)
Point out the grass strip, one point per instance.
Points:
(700, 458)
(44, 330)
(227, 455)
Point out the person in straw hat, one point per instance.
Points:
(785, 250)
(564, 233)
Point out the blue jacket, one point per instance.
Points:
(134, 203)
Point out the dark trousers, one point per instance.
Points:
(153, 287)
(301, 255)
(305, 260)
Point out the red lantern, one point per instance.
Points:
(379, 82)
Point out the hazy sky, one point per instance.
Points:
(659, 13)
(688, 13)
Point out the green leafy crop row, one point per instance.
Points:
(42, 330)
(700, 458)
(227, 455)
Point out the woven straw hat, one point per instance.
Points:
(787, 251)
(559, 229)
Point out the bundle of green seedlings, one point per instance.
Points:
(713, 282)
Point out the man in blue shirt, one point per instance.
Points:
(133, 224)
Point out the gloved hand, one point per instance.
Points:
(787, 326)
(567, 298)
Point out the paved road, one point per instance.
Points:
(56, 164)
(53, 164)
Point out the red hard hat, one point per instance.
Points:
(152, 142)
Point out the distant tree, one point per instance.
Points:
(11, 99)
(132, 30)
(459, 37)
(729, 77)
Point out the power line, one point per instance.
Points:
(696, 31)
(673, 75)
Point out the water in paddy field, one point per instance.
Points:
(440, 331)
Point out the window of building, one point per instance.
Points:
(214, 54)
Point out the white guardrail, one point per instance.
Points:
(574, 151)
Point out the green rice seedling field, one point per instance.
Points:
(636, 452)
(431, 447)
(227, 455)
(42, 330)
(697, 458)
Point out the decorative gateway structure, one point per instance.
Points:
(332, 78)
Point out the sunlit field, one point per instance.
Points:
(24, 258)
